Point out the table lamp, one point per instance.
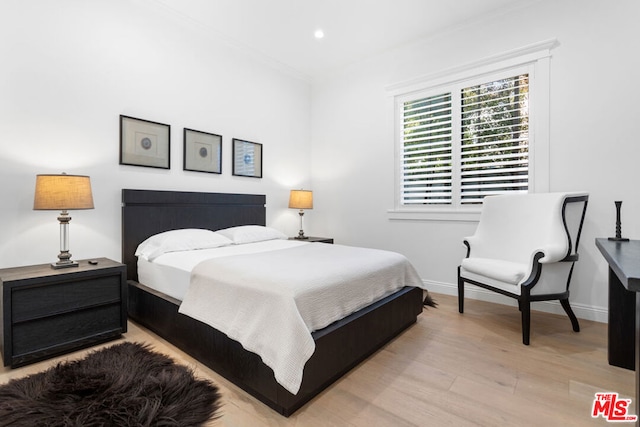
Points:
(63, 192)
(301, 199)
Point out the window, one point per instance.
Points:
(494, 138)
(427, 150)
(462, 138)
(489, 140)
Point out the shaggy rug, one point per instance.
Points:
(122, 385)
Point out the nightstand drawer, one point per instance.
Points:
(41, 301)
(68, 328)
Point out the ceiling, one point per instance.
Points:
(282, 31)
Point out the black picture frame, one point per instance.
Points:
(144, 143)
(247, 158)
(202, 151)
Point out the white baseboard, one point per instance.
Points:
(598, 314)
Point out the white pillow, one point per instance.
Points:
(251, 233)
(180, 240)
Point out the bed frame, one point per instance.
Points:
(339, 347)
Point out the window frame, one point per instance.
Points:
(533, 60)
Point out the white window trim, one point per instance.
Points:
(538, 57)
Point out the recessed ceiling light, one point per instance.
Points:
(319, 34)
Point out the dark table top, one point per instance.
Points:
(624, 260)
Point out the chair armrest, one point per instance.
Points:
(468, 242)
(547, 254)
(552, 253)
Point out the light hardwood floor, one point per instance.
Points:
(448, 369)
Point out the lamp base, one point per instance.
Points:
(64, 264)
(618, 239)
(301, 235)
(64, 257)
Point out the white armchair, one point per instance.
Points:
(525, 247)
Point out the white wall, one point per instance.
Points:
(594, 136)
(68, 70)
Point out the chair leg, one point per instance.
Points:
(460, 293)
(572, 316)
(525, 308)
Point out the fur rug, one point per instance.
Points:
(122, 385)
(428, 300)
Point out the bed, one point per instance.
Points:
(338, 347)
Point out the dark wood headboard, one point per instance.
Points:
(148, 212)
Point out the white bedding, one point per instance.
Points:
(271, 295)
(171, 273)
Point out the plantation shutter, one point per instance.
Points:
(427, 151)
(494, 136)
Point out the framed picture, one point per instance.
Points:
(202, 151)
(247, 158)
(144, 143)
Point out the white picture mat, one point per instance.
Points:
(144, 143)
(202, 151)
(247, 158)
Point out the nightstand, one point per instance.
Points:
(315, 239)
(47, 312)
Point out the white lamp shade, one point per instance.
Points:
(301, 199)
(62, 192)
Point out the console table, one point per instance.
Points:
(624, 299)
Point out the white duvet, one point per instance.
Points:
(271, 301)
